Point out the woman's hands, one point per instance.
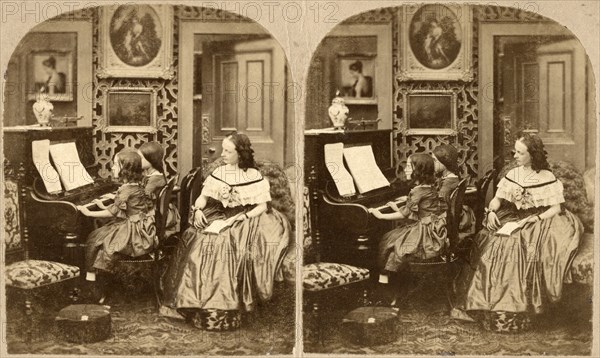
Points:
(99, 203)
(199, 219)
(493, 223)
(84, 210)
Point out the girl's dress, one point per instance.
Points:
(213, 277)
(445, 186)
(423, 239)
(132, 231)
(510, 277)
(152, 185)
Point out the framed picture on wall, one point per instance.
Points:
(130, 110)
(356, 78)
(430, 112)
(435, 42)
(50, 72)
(135, 41)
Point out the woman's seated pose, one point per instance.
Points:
(445, 159)
(423, 238)
(132, 231)
(213, 277)
(512, 277)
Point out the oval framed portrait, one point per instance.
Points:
(435, 36)
(136, 41)
(435, 42)
(135, 34)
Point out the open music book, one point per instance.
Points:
(361, 162)
(216, 227)
(510, 227)
(71, 171)
(335, 165)
(40, 152)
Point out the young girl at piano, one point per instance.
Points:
(154, 180)
(131, 231)
(422, 239)
(445, 158)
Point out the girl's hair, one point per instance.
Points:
(448, 155)
(154, 154)
(131, 166)
(50, 62)
(423, 168)
(244, 150)
(535, 147)
(356, 66)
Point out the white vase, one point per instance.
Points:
(42, 109)
(338, 112)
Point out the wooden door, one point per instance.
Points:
(543, 91)
(244, 94)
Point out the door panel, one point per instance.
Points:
(247, 78)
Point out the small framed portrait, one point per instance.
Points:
(356, 78)
(135, 41)
(430, 112)
(130, 110)
(435, 42)
(51, 72)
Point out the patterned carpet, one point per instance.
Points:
(424, 327)
(138, 330)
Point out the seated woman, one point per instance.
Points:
(213, 277)
(445, 158)
(512, 277)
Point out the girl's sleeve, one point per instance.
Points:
(118, 207)
(412, 203)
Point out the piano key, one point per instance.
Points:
(398, 201)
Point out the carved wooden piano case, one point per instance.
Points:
(342, 227)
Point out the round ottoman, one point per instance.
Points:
(83, 323)
(371, 325)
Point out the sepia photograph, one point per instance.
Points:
(462, 222)
(50, 72)
(299, 178)
(162, 221)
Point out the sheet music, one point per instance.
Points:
(40, 153)
(216, 227)
(70, 169)
(335, 165)
(361, 162)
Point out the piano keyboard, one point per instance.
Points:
(402, 199)
(398, 201)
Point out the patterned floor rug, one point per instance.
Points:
(425, 328)
(138, 330)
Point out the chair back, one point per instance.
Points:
(188, 193)
(455, 203)
(482, 189)
(162, 207)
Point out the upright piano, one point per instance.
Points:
(54, 227)
(342, 227)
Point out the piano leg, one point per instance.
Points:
(73, 251)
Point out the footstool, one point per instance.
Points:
(371, 325)
(83, 323)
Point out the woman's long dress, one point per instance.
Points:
(213, 277)
(421, 239)
(510, 277)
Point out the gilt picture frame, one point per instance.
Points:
(51, 71)
(435, 42)
(357, 77)
(136, 41)
(430, 112)
(130, 110)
